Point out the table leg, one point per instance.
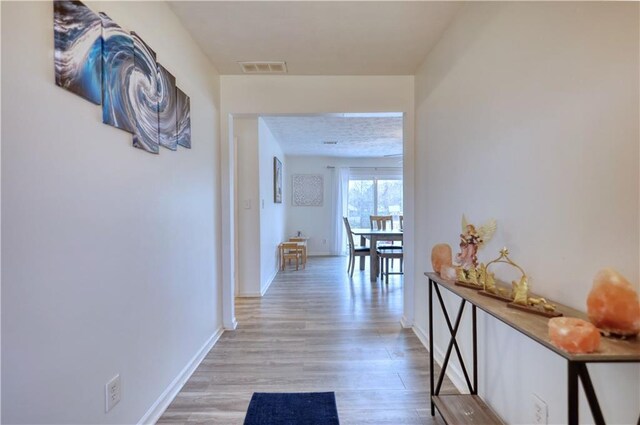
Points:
(572, 390)
(363, 242)
(373, 259)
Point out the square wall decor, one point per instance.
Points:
(308, 190)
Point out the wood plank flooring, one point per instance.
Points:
(315, 330)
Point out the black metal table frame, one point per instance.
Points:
(577, 370)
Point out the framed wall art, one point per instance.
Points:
(277, 181)
(308, 190)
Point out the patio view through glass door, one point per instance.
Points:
(374, 192)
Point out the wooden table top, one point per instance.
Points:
(535, 326)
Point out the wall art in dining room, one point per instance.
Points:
(308, 190)
(102, 62)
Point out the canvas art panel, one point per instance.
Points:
(77, 33)
(277, 181)
(167, 109)
(117, 66)
(308, 190)
(144, 88)
(183, 111)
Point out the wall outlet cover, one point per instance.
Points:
(540, 411)
(112, 393)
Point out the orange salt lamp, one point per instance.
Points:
(574, 335)
(441, 256)
(613, 304)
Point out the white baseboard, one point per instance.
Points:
(405, 322)
(269, 282)
(157, 409)
(248, 295)
(231, 326)
(454, 373)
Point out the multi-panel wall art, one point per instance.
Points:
(98, 60)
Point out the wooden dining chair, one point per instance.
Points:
(354, 251)
(389, 254)
(302, 242)
(290, 251)
(383, 222)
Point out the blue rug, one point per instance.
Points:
(292, 409)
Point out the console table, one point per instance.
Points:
(476, 411)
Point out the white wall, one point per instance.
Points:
(272, 215)
(248, 208)
(110, 261)
(528, 112)
(317, 222)
(254, 94)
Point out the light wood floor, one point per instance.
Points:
(315, 330)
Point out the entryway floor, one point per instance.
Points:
(316, 330)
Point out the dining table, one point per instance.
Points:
(374, 236)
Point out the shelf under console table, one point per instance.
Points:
(470, 408)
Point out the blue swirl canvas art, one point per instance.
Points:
(77, 49)
(167, 109)
(183, 119)
(117, 67)
(144, 91)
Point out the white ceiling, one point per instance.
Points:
(318, 37)
(357, 137)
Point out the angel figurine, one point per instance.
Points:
(471, 240)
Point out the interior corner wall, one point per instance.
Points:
(110, 260)
(245, 129)
(316, 223)
(529, 113)
(272, 214)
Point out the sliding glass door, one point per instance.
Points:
(374, 192)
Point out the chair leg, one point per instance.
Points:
(353, 265)
(349, 263)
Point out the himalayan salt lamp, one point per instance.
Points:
(612, 304)
(574, 335)
(449, 272)
(441, 256)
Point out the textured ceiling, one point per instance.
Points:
(318, 37)
(364, 137)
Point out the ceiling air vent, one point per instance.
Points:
(273, 67)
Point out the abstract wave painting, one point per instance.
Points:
(167, 109)
(78, 46)
(117, 68)
(183, 119)
(143, 93)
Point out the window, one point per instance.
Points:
(374, 192)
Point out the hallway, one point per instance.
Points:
(315, 330)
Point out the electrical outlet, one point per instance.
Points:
(324, 242)
(247, 204)
(112, 393)
(540, 411)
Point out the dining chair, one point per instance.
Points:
(389, 254)
(291, 251)
(302, 242)
(383, 222)
(354, 251)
